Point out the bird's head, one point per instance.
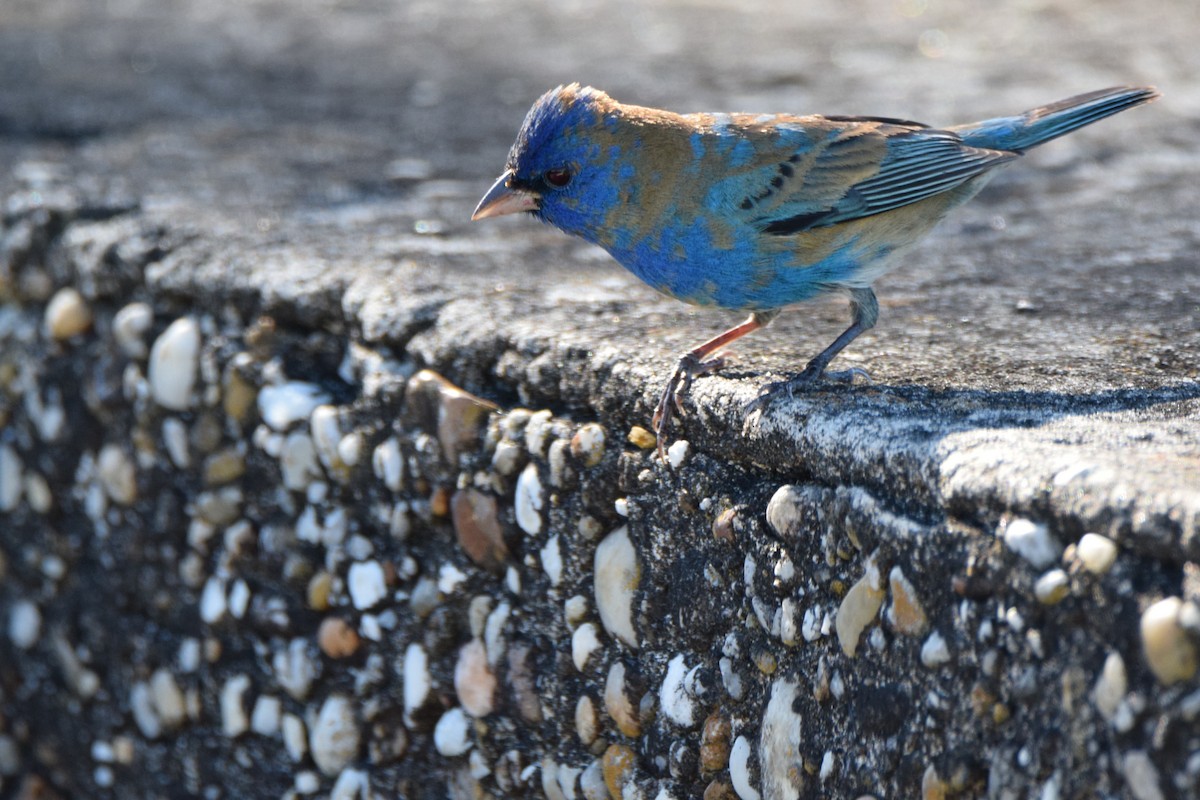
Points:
(561, 167)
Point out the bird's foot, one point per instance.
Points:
(805, 380)
(671, 401)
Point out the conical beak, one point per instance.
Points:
(504, 199)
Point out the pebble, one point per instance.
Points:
(493, 632)
(522, 680)
(234, 721)
(67, 314)
(298, 461)
(334, 738)
(174, 359)
(529, 499)
(1170, 653)
(288, 403)
(1052, 587)
(38, 493)
(584, 642)
(618, 704)
(295, 737)
(212, 601)
(587, 444)
(452, 734)
(935, 651)
(129, 327)
(11, 482)
(673, 696)
(1033, 542)
(307, 782)
(417, 680)
(617, 764)
(1111, 686)
(24, 624)
(906, 614)
(587, 721)
(476, 519)
(174, 434)
(337, 639)
(641, 438)
(677, 452)
(167, 698)
(474, 682)
(117, 474)
(388, 465)
(591, 781)
(779, 743)
(714, 743)
(858, 608)
(616, 577)
(141, 705)
(351, 784)
(1142, 776)
(1097, 553)
(265, 718)
(739, 769)
(294, 669)
(507, 457)
(574, 610)
(366, 583)
(239, 599)
(552, 561)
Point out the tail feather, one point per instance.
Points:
(1048, 122)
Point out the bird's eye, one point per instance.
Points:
(558, 177)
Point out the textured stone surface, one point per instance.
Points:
(294, 180)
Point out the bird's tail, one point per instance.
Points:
(1044, 123)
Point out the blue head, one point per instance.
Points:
(564, 165)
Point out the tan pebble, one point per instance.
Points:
(476, 519)
(1097, 553)
(336, 638)
(719, 790)
(907, 615)
(224, 467)
(67, 314)
(982, 700)
(1000, 713)
(618, 765)
(474, 682)
(1170, 654)
(238, 396)
(617, 702)
(714, 743)
(439, 502)
(587, 722)
(1052, 587)
(461, 418)
(641, 438)
(523, 681)
(722, 527)
(319, 587)
(857, 610)
(765, 661)
(932, 786)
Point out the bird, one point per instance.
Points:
(759, 212)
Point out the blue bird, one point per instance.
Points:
(759, 212)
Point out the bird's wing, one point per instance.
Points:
(861, 167)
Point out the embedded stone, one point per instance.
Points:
(616, 577)
(476, 518)
(1170, 653)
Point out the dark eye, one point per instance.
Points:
(558, 177)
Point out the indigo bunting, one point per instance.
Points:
(759, 212)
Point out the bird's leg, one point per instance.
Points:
(693, 364)
(865, 310)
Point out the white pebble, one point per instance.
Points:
(935, 651)
(168, 700)
(284, 405)
(129, 328)
(174, 359)
(529, 499)
(366, 583)
(617, 574)
(673, 696)
(233, 706)
(117, 474)
(417, 680)
(779, 742)
(739, 769)
(239, 599)
(452, 734)
(450, 578)
(493, 633)
(67, 314)
(1052, 587)
(326, 433)
(295, 669)
(334, 738)
(349, 449)
(584, 642)
(295, 738)
(265, 718)
(351, 784)
(24, 624)
(307, 782)
(298, 461)
(621, 506)
(212, 601)
(1111, 686)
(1097, 553)
(1033, 542)
(141, 705)
(552, 563)
(10, 478)
(387, 464)
(677, 452)
(175, 438)
(474, 682)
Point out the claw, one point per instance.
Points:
(689, 368)
(804, 380)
